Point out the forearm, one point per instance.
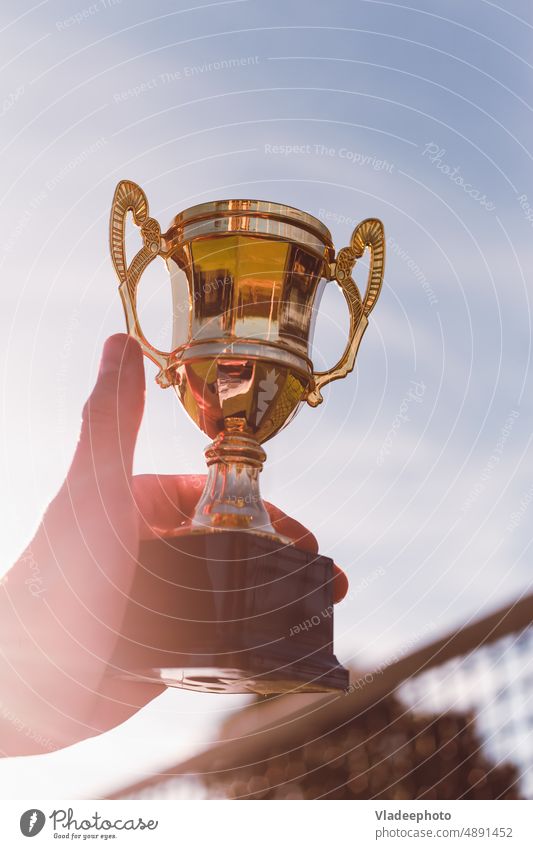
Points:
(61, 605)
(42, 707)
(59, 614)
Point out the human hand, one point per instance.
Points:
(62, 603)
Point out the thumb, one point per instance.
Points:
(113, 412)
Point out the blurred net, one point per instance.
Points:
(453, 720)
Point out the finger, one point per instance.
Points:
(165, 503)
(340, 584)
(289, 527)
(113, 412)
(119, 700)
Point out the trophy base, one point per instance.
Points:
(230, 612)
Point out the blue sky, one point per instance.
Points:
(416, 471)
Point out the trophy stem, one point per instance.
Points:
(231, 499)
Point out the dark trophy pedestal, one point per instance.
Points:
(231, 612)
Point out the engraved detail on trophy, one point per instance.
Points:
(268, 389)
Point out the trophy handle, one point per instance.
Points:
(368, 234)
(129, 197)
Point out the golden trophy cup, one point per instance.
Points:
(227, 604)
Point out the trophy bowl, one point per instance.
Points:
(218, 607)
